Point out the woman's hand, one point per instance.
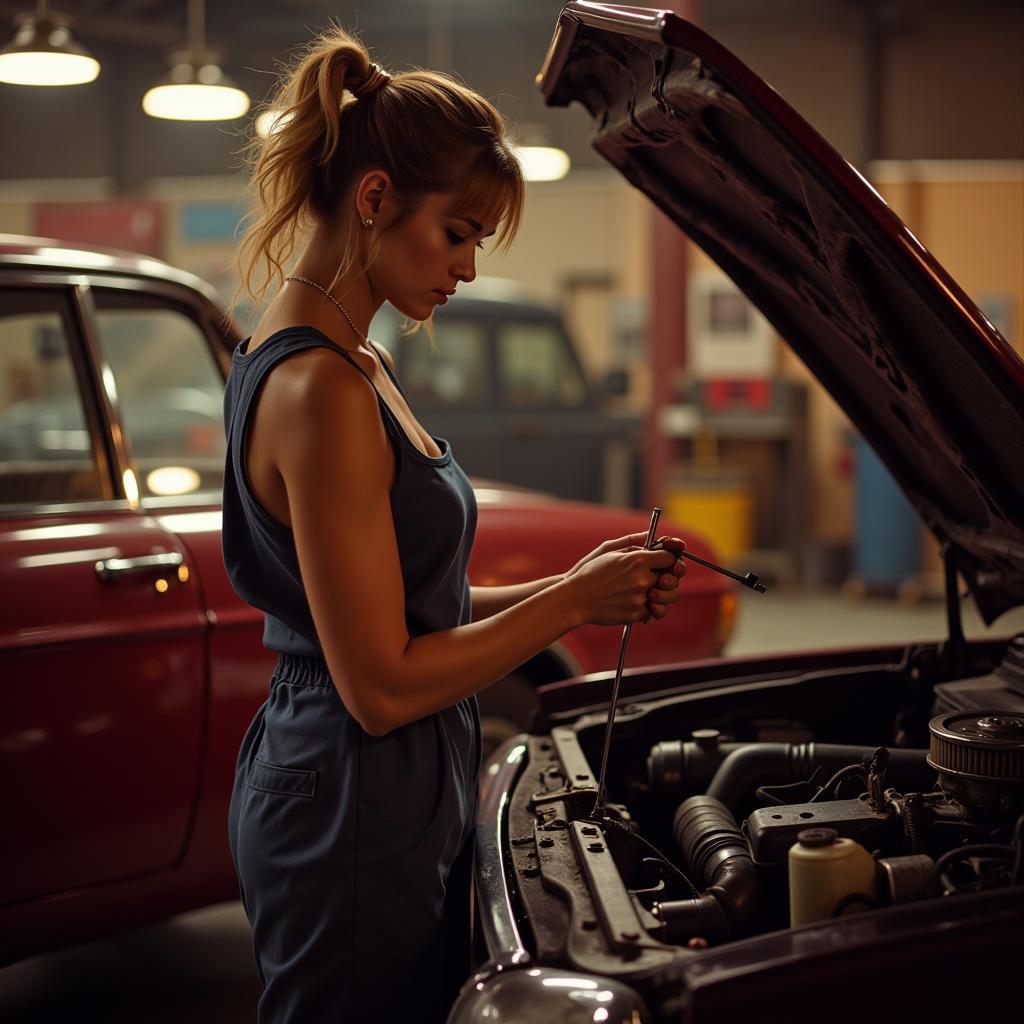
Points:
(645, 601)
(666, 588)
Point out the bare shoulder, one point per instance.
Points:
(317, 381)
(316, 397)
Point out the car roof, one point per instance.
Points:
(56, 254)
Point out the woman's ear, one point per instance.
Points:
(373, 195)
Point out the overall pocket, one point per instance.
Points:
(272, 778)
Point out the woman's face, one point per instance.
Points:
(424, 259)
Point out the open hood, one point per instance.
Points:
(917, 368)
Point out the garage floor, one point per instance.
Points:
(198, 968)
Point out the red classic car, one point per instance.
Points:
(833, 835)
(129, 669)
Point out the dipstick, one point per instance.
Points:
(599, 806)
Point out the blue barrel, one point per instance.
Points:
(887, 548)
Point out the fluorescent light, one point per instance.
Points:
(543, 163)
(196, 89)
(171, 480)
(271, 121)
(195, 102)
(43, 52)
(47, 69)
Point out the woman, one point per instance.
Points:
(351, 527)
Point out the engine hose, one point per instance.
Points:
(719, 859)
(677, 769)
(996, 851)
(757, 764)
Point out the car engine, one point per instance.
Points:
(741, 811)
(925, 823)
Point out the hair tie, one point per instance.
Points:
(376, 77)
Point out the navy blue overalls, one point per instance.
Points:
(352, 851)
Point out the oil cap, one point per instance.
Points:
(817, 836)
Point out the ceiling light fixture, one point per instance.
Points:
(540, 161)
(543, 163)
(196, 89)
(43, 51)
(271, 121)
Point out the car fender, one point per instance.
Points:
(546, 994)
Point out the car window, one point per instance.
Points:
(456, 375)
(170, 391)
(535, 367)
(47, 452)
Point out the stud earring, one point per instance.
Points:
(368, 222)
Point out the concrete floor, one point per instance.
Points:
(197, 968)
(780, 621)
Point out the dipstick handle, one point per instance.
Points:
(751, 579)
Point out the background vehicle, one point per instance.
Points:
(508, 388)
(129, 669)
(685, 899)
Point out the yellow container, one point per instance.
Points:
(720, 510)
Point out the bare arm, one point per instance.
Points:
(331, 450)
(488, 601)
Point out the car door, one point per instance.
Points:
(168, 354)
(102, 629)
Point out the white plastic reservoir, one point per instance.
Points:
(823, 871)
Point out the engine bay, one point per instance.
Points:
(758, 807)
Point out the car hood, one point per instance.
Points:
(917, 368)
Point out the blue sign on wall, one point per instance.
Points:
(210, 222)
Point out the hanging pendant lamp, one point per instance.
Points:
(539, 160)
(43, 52)
(196, 89)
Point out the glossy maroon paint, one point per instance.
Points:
(122, 708)
(103, 705)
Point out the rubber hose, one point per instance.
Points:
(718, 858)
(761, 764)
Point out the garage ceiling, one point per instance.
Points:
(274, 25)
(497, 46)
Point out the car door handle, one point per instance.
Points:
(110, 570)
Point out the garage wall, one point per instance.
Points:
(950, 77)
(970, 215)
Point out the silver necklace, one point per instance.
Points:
(344, 312)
